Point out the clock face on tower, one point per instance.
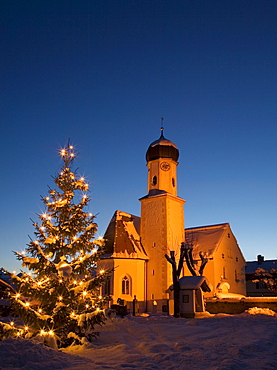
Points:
(165, 166)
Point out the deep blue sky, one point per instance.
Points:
(102, 73)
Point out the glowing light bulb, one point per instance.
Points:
(74, 282)
(17, 295)
(62, 152)
(82, 178)
(23, 252)
(14, 272)
(71, 147)
(60, 281)
(90, 214)
(12, 323)
(51, 332)
(60, 298)
(26, 328)
(101, 272)
(85, 293)
(39, 310)
(100, 297)
(97, 309)
(72, 155)
(87, 306)
(27, 304)
(42, 332)
(18, 333)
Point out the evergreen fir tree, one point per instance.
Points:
(59, 301)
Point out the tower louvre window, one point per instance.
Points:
(154, 180)
(173, 182)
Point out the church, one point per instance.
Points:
(135, 246)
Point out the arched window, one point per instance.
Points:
(173, 182)
(154, 180)
(126, 285)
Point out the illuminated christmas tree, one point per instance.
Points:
(59, 301)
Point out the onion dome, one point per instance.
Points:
(162, 148)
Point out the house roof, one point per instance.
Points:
(252, 266)
(191, 282)
(4, 285)
(206, 239)
(122, 237)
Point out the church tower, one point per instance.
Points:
(162, 219)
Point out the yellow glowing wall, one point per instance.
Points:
(162, 230)
(134, 270)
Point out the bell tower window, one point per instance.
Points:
(154, 180)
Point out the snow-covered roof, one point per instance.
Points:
(4, 284)
(252, 266)
(122, 237)
(206, 239)
(191, 282)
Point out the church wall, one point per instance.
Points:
(165, 180)
(175, 232)
(230, 265)
(162, 230)
(134, 271)
(154, 240)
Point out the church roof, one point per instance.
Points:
(162, 148)
(122, 237)
(206, 239)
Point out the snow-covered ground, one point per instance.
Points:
(246, 341)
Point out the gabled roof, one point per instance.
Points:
(122, 237)
(206, 239)
(191, 282)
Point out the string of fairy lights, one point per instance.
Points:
(65, 278)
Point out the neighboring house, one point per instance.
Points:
(258, 289)
(136, 246)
